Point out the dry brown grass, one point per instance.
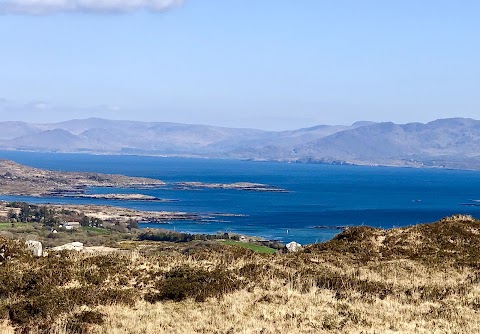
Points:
(329, 288)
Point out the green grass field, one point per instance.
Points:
(256, 248)
(95, 230)
(5, 225)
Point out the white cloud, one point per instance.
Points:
(41, 7)
(40, 105)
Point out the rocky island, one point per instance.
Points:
(121, 197)
(246, 186)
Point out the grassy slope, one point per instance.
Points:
(423, 279)
(7, 226)
(95, 230)
(254, 247)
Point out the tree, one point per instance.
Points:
(132, 224)
(25, 212)
(11, 214)
(85, 221)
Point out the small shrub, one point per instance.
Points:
(183, 283)
(80, 323)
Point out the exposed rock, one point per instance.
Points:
(119, 197)
(35, 247)
(247, 186)
(76, 246)
(293, 247)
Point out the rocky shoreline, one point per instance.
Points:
(113, 214)
(117, 197)
(20, 180)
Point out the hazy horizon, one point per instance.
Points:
(233, 127)
(267, 65)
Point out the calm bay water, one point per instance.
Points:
(320, 194)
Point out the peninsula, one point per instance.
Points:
(17, 179)
(20, 180)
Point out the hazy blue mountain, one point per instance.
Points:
(282, 140)
(449, 137)
(49, 140)
(449, 142)
(10, 130)
(445, 142)
(389, 143)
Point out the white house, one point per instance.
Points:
(71, 225)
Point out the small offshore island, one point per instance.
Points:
(121, 197)
(246, 186)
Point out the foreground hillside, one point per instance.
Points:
(422, 279)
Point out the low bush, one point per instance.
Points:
(183, 283)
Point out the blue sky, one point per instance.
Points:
(263, 64)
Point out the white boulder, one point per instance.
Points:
(35, 247)
(293, 247)
(76, 246)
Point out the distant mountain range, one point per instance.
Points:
(450, 143)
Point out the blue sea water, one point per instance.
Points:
(320, 195)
